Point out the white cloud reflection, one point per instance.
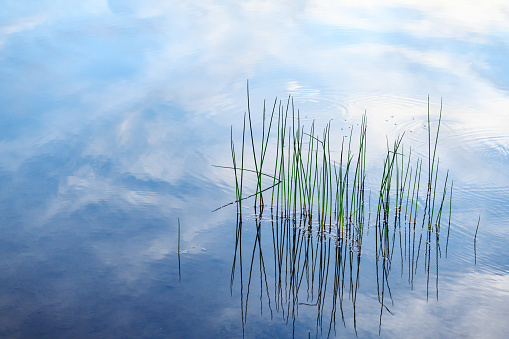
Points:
(469, 20)
(473, 305)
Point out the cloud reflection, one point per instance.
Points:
(472, 305)
(112, 113)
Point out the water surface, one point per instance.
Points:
(113, 113)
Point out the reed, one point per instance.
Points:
(239, 191)
(237, 182)
(449, 223)
(320, 180)
(178, 248)
(475, 240)
(252, 141)
(278, 140)
(318, 192)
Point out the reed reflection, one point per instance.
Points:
(304, 265)
(317, 270)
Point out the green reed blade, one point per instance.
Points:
(449, 224)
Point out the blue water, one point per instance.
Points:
(112, 114)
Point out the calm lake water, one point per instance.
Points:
(113, 113)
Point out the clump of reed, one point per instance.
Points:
(310, 182)
(317, 184)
